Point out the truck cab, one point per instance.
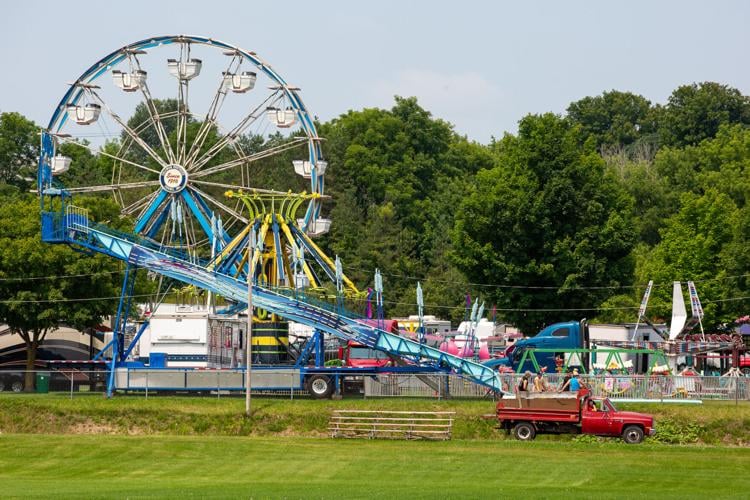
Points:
(357, 355)
(600, 418)
(567, 335)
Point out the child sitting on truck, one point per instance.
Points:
(540, 385)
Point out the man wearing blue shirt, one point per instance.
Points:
(575, 384)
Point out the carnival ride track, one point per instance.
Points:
(76, 230)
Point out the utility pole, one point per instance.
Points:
(249, 337)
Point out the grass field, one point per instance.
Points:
(192, 466)
(169, 447)
(714, 423)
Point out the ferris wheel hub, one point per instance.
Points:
(173, 178)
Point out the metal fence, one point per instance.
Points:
(44, 381)
(286, 383)
(150, 382)
(624, 387)
(440, 386)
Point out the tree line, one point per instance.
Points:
(570, 216)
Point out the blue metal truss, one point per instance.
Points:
(290, 307)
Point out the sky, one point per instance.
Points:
(481, 66)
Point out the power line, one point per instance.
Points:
(499, 309)
(415, 278)
(87, 299)
(562, 309)
(541, 287)
(52, 277)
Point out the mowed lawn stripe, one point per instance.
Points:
(86, 466)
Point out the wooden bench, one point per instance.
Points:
(391, 424)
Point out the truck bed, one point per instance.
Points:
(537, 415)
(558, 407)
(542, 400)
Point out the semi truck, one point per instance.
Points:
(563, 336)
(571, 413)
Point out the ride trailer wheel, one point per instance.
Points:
(320, 386)
(524, 431)
(632, 434)
(16, 385)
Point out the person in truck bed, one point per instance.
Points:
(565, 386)
(540, 385)
(523, 384)
(575, 384)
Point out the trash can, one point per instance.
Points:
(42, 382)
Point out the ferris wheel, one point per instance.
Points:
(168, 124)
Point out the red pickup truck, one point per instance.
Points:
(574, 413)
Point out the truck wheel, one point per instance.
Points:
(320, 386)
(524, 431)
(746, 371)
(632, 434)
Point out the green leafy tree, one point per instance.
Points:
(43, 285)
(620, 308)
(550, 217)
(612, 119)
(721, 163)
(395, 177)
(735, 261)
(656, 199)
(19, 150)
(695, 113)
(697, 244)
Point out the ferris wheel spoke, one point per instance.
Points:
(183, 87)
(202, 218)
(237, 187)
(237, 131)
(210, 118)
(133, 207)
(153, 112)
(129, 131)
(112, 187)
(182, 119)
(253, 157)
(110, 155)
(219, 204)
